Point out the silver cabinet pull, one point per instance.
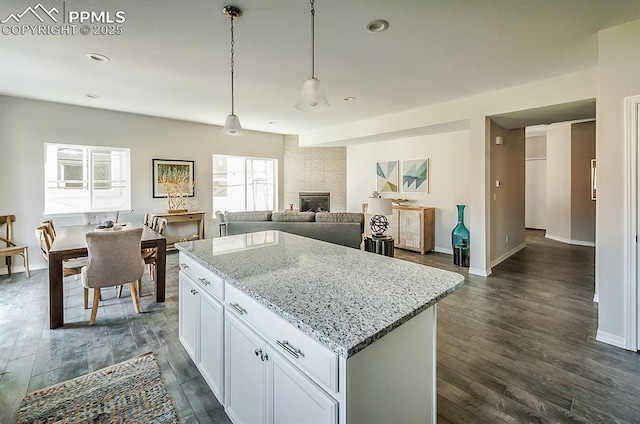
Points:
(184, 266)
(204, 281)
(239, 309)
(293, 351)
(263, 356)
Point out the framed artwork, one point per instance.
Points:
(593, 179)
(415, 176)
(177, 175)
(387, 177)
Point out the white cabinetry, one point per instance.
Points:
(263, 387)
(245, 374)
(201, 322)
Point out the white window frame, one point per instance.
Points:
(274, 161)
(87, 183)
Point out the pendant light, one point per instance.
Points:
(232, 124)
(312, 98)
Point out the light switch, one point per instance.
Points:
(498, 183)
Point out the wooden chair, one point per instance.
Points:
(147, 219)
(11, 249)
(50, 228)
(149, 255)
(114, 260)
(69, 266)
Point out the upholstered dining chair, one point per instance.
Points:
(100, 217)
(69, 266)
(11, 249)
(114, 260)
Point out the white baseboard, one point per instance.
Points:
(596, 298)
(15, 269)
(481, 272)
(612, 339)
(569, 241)
(508, 254)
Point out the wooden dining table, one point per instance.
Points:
(70, 242)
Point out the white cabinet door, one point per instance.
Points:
(211, 337)
(245, 354)
(293, 398)
(189, 311)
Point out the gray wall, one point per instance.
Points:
(25, 125)
(583, 209)
(507, 201)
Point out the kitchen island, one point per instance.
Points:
(290, 329)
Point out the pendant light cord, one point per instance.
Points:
(313, 37)
(232, 66)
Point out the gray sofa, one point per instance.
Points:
(342, 228)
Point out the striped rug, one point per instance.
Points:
(128, 392)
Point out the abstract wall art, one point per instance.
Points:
(387, 177)
(415, 176)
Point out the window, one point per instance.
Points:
(86, 179)
(244, 184)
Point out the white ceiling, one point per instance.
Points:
(172, 59)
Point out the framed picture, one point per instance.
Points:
(387, 177)
(415, 176)
(593, 179)
(177, 175)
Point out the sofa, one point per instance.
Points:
(342, 228)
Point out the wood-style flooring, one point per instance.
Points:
(515, 347)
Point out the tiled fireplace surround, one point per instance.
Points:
(310, 169)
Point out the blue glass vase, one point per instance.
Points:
(460, 240)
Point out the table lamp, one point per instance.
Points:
(378, 208)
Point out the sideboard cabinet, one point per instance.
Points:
(412, 227)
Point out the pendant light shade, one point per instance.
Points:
(312, 97)
(232, 124)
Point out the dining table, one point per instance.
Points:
(70, 242)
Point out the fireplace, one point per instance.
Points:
(316, 201)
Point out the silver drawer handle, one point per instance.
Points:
(296, 353)
(204, 281)
(239, 309)
(184, 266)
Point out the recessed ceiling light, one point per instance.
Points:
(273, 122)
(378, 25)
(98, 57)
(349, 99)
(93, 96)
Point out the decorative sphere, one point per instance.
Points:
(379, 224)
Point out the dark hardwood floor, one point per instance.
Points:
(515, 347)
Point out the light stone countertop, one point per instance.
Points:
(342, 297)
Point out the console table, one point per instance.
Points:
(412, 227)
(175, 233)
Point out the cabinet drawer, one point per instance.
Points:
(210, 282)
(320, 363)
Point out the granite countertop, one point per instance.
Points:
(342, 297)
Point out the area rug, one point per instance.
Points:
(128, 392)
